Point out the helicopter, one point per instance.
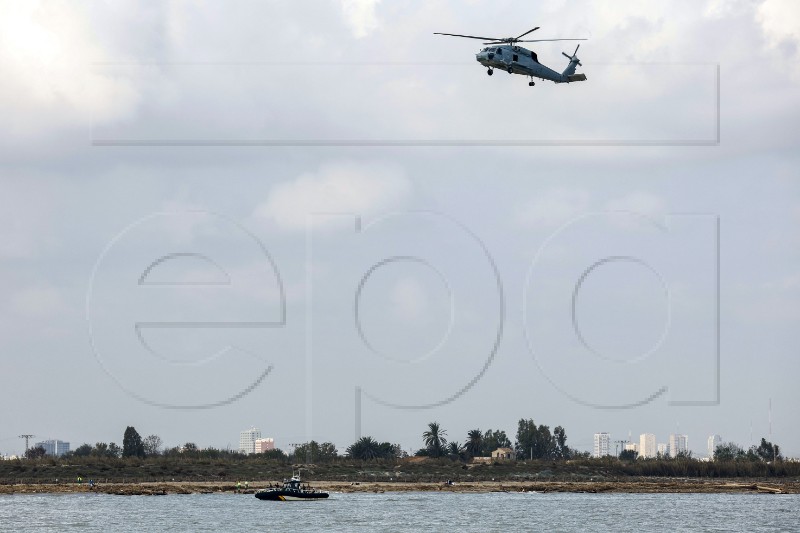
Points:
(502, 53)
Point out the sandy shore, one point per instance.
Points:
(639, 486)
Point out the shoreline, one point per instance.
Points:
(638, 486)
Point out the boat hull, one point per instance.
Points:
(289, 496)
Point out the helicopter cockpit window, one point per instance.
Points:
(499, 51)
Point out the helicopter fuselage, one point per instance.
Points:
(518, 60)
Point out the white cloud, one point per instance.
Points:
(49, 82)
(780, 21)
(341, 187)
(360, 16)
(554, 207)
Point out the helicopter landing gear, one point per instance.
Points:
(510, 71)
(531, 83)
(490, 72)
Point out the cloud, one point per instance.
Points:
(554, 207)
(780, 21)
(360, 16)
(46, 50)
(341, 187)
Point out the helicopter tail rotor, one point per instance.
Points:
(574, 56)
(574, 62)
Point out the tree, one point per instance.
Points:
(493, 440)
(275, 455)
(152, 445)
(365, 449)
(627, 455)
(535, 442)
(114, 450)
(311, 452)
(768, 452)
(455, 450)
(36, 452)
(84, 450)
(132, 443)
(728, 452)
(100, 450)
(562, 450)
(434, 440)
(474, 444)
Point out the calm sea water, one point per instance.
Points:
(403, 512)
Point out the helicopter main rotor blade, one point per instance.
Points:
(469, 36)
(548, 40)
(527, 32)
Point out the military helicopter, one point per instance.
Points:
(518, 60)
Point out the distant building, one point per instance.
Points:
(55, 448)
(602, 444)
(678, 444)
(247, 440)
(647, 445)
(503, 454)
(663, 449)
(713, 442)
(631, 447)
(264, 445)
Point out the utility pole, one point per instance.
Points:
(617, 444)
(26, 437)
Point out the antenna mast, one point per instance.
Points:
(26, 437)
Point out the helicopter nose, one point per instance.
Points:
(491, 56)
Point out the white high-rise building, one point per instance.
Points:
(602, 444)
(678, 444)
(247, 440)
(713, 442)
(663, 449)
(56, 448)
(647, 445)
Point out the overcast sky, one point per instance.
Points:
(204, 225)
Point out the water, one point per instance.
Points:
(403, 512)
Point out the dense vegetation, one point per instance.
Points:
(541, 454)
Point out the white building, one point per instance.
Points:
(602, 444)
(247, 440)
(713, 442)
(678, 444)
(264, 445)
(647, 445)
(55, 448)
(663, 449)
(631, 447)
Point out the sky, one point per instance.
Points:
(319, 219)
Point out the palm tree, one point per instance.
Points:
(365, 448)
(474, 445)
(455, 450)
(434, 439)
